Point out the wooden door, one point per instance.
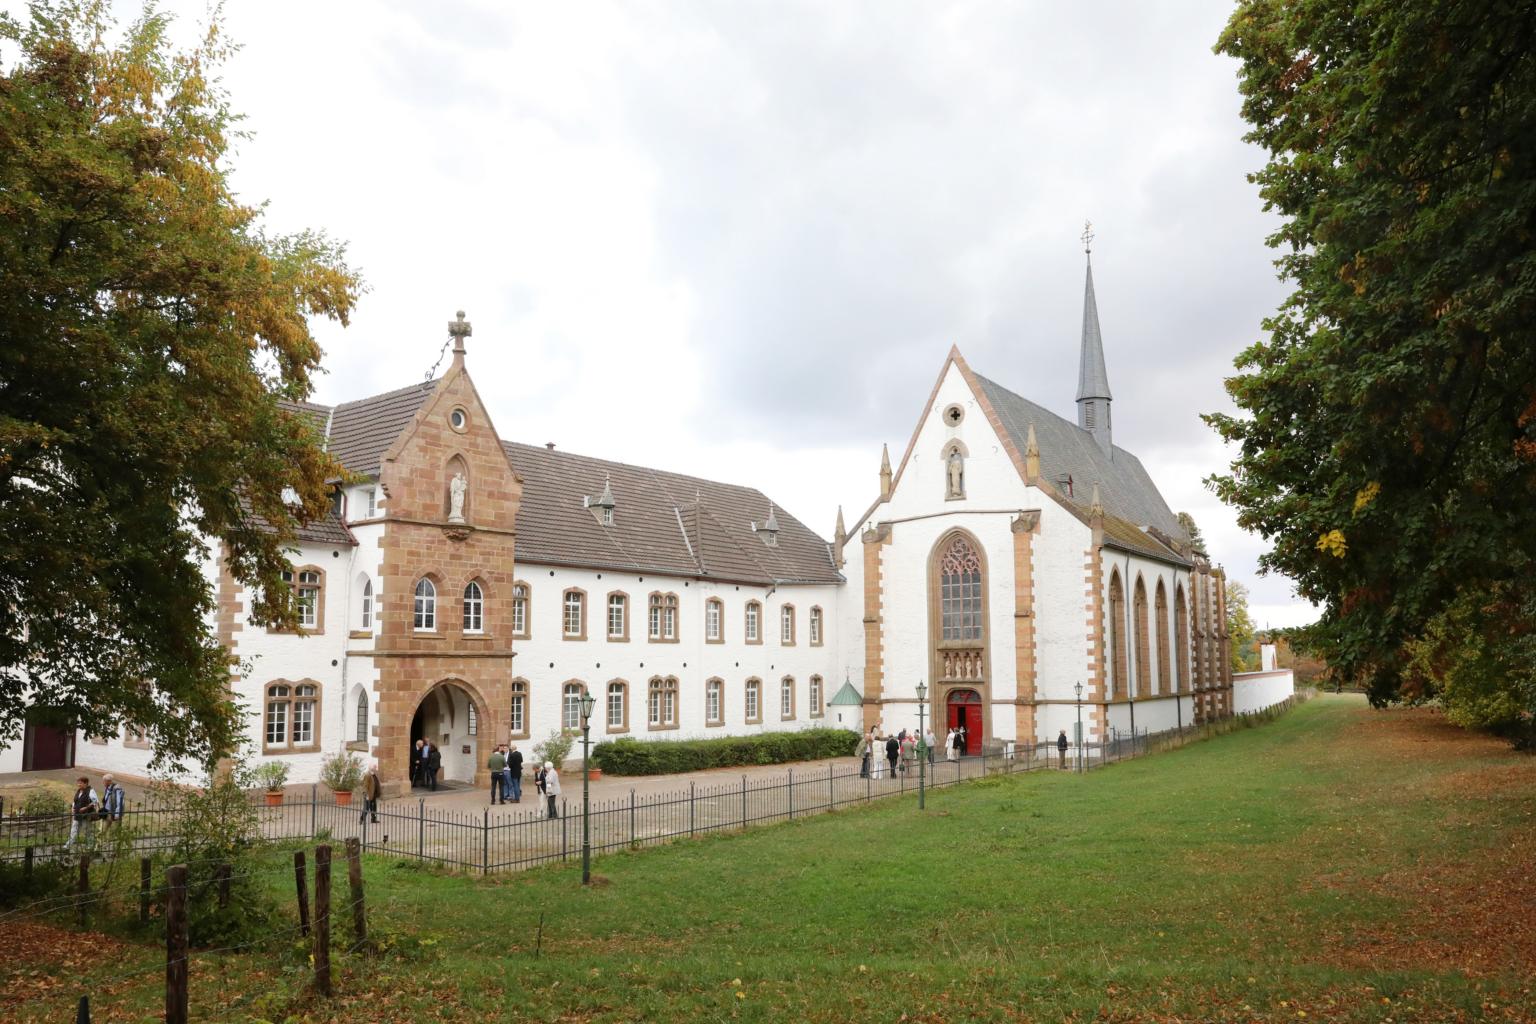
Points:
(48, 747)
(965, 709)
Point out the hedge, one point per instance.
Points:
(629, 756)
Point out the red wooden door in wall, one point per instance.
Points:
(965, 709)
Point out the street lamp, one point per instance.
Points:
(587, 700)
(1079, 689)
(922, 743)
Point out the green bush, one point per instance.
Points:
(662, 757)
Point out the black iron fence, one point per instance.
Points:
(505, 840)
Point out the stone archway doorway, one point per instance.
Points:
(964, 708)
(450, 717)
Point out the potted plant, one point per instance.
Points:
(342, 772)
(272, 776)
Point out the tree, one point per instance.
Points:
(151, 329)
(1240, 629)
(1387, 442)
(1195, 539)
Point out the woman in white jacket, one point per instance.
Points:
(552, 788)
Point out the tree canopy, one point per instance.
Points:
(151, 328)
(1387, 441)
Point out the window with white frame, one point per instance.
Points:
(787, 698)
(278, 699)
(787, 625)
(306, 584)
(661, 703)
(575, 619)
(424, 612)
(754, 620)
(366, 619)
(618, 617)
(714, 702)
(371, 497)
(815, 696)
(714, 611)
(304, 715)
(653, 618)
(474, 608)
(816, 627)
(520, 610)
(752, 703)
(517, 720)
(570, 717)
(291, 717)
(618, 706)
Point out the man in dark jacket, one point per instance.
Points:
(515, 774)
(1061, 747)
(893, 753)
(371, 793)
(434, 764)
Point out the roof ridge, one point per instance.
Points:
(419, 386)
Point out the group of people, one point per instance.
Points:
(87, 808)
(506, 767)
(426, 762)
(900, 751)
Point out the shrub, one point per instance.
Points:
(628, 756)
(271, 775)
(341, 771)
(555, 749)
(44, 803)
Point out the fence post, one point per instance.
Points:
(421, 828)
(323, 919)
(83, 1011)
(690, 807)
(301, 886)
(743, 803)
(143, 890)
(82, 889)
(222, 873)
(355, 885)
(563, 817)
(831, 788)
(791, 794)
(26, 864)
(632, 840)
(176, 945)
(485, 842)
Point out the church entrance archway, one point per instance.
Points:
(450, 716)
(965, 710)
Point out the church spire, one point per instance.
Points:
(885, 473)
(1093, 396)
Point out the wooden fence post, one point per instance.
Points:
(143, 890)
(176, 945)
(301, 886)
(222, 874)
(323, 919)
(82, 889)
(83, 1011)
(355, 885)
(26, 864)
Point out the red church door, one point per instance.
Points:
(46, 746)
(965, 709)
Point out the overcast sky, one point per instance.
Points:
(738, 239)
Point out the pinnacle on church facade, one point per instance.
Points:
(1093, 397)
(885, 473)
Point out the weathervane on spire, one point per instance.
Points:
(1087, 236)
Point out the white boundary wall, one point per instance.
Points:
(1255, 691)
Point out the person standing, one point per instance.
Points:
(1061, 749)
(371, 793)
(892, 753)
(514, 784)
(552, 788)
(949, 745)
(112, 800)
(863, 753)
(434, 759)
(928, 742)
(417, 767)
(497, 764)
(908, 751)
(960, 741)
(83, 809)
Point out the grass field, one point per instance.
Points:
(1339, 864)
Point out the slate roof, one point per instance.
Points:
(362, 431)
(663, 522)
(1131, 500)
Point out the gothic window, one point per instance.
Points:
(754, 622)
(518, 719)
(714, 702)
(787, 625)
(1118, 673)
(574, 617)
(1164, 675)
(472, 720)
(520, 611)
(960, 591)
(816, 709)
(425, 607)
(618, 616)
(618, 706)
(1180, 640)
(816, 627)
(474, 608)
(366, 619)
(787, 697)
(752, 703)
(714, 615)
(362, 718)
(661, 703)
(1143, 652)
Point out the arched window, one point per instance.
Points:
(960, 591)
(669, 617)
(1117, 679)
(816, 626)
(517, 721)
(366, 618)
(570, 704)
(308, 585)
(291, 719)
(754, 620)
(714, 702)
(752, 703)
(661, 618)
(474, 608)
(574, 614)
(1143, 651)
(816, 709)
(618, 616)
(787, 625)
(1164, 676)
(1180, 640)
(520, 611)
(425, 611)
(618, 706)
(661, 703)
(787, 697)
(714, 621)
(362, 718)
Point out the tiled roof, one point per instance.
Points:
(1131, 500)
(362, 431)
(662, 522)
(327, 530)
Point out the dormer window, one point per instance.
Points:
(768, 529)
(603, 505)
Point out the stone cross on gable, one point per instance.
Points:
(1087, 239)
(459, 330)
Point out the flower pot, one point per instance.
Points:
(275, 799)
(593, 774)
(343, 799)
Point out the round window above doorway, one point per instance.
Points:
(458, 419)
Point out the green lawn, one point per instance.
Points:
(1339, 864)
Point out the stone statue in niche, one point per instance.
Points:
(456, 488)
(954, 475)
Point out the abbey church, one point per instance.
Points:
(471, 589)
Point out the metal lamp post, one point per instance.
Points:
(1079, 689)
(587, 701)
(922, 743)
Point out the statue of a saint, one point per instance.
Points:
(955, 475)
(456, 488)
